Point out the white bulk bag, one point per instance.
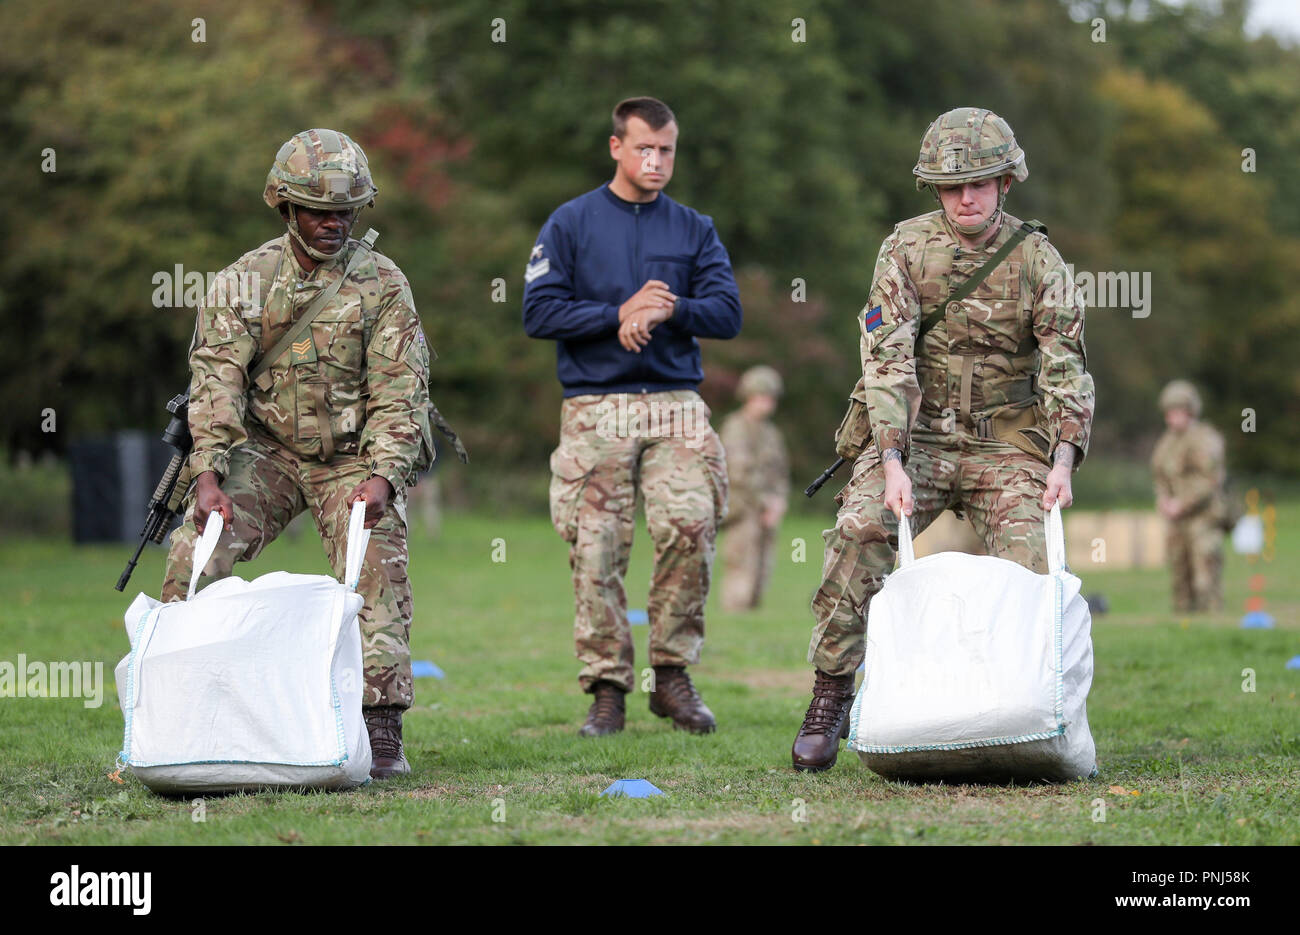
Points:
(248, 684)
(977, 670)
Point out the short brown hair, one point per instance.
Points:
(652, 110)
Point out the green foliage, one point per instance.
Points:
(800, 151)
(1222, 313)
(36, 497)
(162, 147)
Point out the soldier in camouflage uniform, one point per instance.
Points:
(624, 279)
(341, 416)
(758, 470)
(983, 404)
(1188, 464)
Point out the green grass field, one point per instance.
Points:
(1187, 756)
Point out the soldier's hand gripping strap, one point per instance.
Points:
(258, 374)
(963, 291)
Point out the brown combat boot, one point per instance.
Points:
(675, 697)
(818, 742)
(607, 712)
(387, 759)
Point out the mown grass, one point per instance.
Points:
(1187, 756)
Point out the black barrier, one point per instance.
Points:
(112, 479)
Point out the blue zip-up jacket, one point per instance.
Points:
(593, 254)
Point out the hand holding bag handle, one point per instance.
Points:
(204, 549)
(1054, 534)
(355, 552)
(906, 553)
(358, 540)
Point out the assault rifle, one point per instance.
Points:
(168, 496)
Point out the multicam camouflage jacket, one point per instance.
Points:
(758, 464)
(365, 365)
(1013, 348)
(1189, 467)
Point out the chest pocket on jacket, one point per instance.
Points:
(994, 311)
(339, 336)
(672, 268)
(340, 339)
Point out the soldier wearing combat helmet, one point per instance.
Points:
(339, 414)
(974, 396)
(758, 471)
(1188, 465)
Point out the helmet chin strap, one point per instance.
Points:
(311, 252)
(971, 230)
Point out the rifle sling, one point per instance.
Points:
(259, 374)
(964, 290)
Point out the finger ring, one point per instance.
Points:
(636, 326)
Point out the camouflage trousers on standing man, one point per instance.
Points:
(269, 487)
(612, 448)
(1195, 546)
(998, 486)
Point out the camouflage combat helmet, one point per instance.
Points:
(761, 379)
(321, 169)
(969, 144)
(1180, 394)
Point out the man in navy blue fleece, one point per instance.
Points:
(624, 280)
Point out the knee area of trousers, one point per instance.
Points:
(684, 533)
(600, 529)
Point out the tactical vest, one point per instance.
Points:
(979, 364)
(308, 371)
(367, 277)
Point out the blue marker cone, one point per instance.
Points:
(637, 617)
(632, 789)
(1257, 620)
(423, 669)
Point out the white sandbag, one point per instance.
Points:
(977, 670)
(248, 684)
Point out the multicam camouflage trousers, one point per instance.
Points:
(748, 554)
(612, 448)
(998, 486)
(1195, 546)
(269, 487)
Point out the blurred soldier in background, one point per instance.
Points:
(425, 500)
(975, 393)
(758, 467)
(339, 416)
(1188, 464)
(426, 503)
(624, 279)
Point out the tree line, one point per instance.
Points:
(1160, 143)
